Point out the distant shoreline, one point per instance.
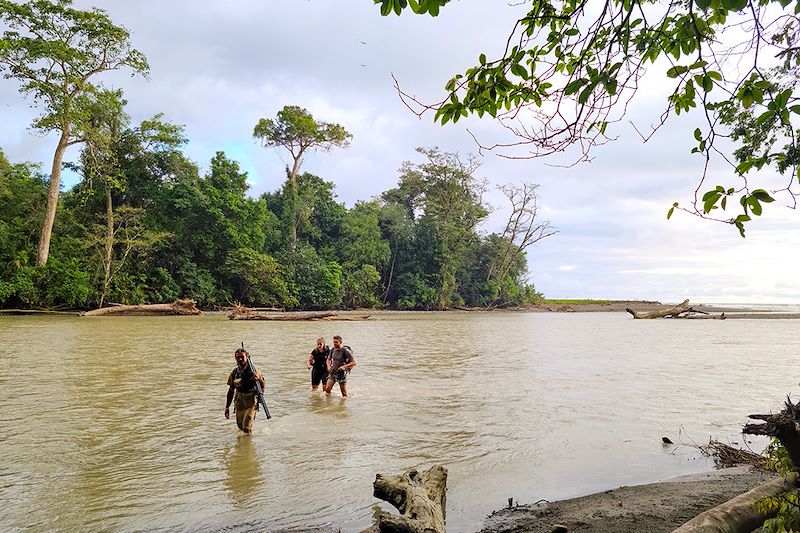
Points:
(552, 306)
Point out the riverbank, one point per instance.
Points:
(654, 508)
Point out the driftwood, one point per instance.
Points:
(682, 310)
(738, 515)
(37, 312)
(241, 312)
(784, 426)
(178, 307)
(420, 498)
(726, 456)
(250, 315)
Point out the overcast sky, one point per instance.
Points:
(217, 67)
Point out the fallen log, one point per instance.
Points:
(248, 315)
(682, 310)
(178, 307)
(37, 312)
(420, 498)
(738, 515)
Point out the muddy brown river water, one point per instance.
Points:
(115, 423)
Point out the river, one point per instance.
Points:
(116, 424)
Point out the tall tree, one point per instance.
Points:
(523, 228)
(569, 68)
(295, 130)
(101, 131)
(53, 50)
(451, 203)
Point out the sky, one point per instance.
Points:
(218, 67)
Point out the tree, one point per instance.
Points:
(53, 50)
(295, 130)
(523, 228)
(445, 199)
(569, 69)
(101, 131)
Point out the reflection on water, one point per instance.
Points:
(116, 423)
(242, 469)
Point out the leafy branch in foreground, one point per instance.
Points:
(569, 69)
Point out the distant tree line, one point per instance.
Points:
(143, 225)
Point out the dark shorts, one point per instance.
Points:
(318, 375)
(340, 376)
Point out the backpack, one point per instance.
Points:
(349, 349)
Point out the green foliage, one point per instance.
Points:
(255, 279)
(23, 195)
(296, 130)
(588, 63)
(56, 284)
(414, 292)
(316, 283)
(786, 505)
(360, 287)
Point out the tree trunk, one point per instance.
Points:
(109, 246)
(178, 307)
(52, 198)
(420, 498)
(294, 200)
(682, 307)
(738, 515)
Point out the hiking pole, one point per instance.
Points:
(259, 390)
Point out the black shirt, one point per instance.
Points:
(320, 356)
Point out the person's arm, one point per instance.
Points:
(228, 401)
(260, 378)
(350, 363)
(328, 361)
(309, 361)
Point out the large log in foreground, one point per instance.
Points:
(682, 310)
(738, 515)
(420, 498)
(178, 307)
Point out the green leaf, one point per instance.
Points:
(762, 196)
(676, 71)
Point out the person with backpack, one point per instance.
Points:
(340, 361)
(242, 391)
(317, 362)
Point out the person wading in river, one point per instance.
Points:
(242, 391)
(317, 362)
(340, 361)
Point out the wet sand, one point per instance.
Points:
(652, 508)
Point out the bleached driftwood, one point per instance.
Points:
(420, 498)
(682, 310)
(178, 307)
(241, 312)
(738, 515)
